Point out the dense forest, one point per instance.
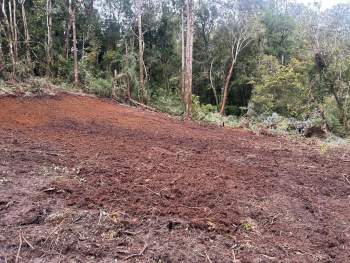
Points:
(251, 58)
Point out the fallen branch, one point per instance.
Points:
(156, 193)
(143, 105)
(208, 257)
(137, 254)
(28, 243)
(54, 230)
(234, 254)
(131, 233)
(7, 205)
(19, 247)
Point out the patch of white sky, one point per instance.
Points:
(325, 4)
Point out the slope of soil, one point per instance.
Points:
(86, 180)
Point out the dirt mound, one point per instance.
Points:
(86, 180)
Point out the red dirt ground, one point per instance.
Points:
(85, 180)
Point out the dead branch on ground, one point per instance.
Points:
(19, 247)
(137, 254)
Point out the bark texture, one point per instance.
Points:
(49, 37)
(75, 52)
(26, 39)
(9, 35)
(188, 60)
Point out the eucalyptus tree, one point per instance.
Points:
(141, 43)
(337, 49)
(2, 62)
(206, 17)
(72, 12)
(188, 57)
(9, 34)
(329, 36)
(49, 57)
(13, 14)
(26, 38)
(238, 27)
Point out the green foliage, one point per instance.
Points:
(200, 111)
(112, 60)
(99, 87)
(5, 89)
(37, 86)
(168, 102)
(208, 113)
(64, 68)
(279, 35)
(282, 89)
(333, 116)
(247, 227)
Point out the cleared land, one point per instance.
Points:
(86, 180)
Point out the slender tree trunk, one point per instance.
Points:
(49, 37)
(227, 84)
(9, 36)
(15, 35)
(183, 57)
(68, 30)
(12, 29)
(12, 24)
(1, 56)
(188, 64)
(27, 39)
(66, 39)
(83, 48)
(1, 52)
(75, 53)
(212, 84)
(141, 50)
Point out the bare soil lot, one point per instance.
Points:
(85, 180)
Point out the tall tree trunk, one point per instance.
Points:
(27, 39)
(227, 84)
(188, 64)
(68, 30)
(49, 37)
(9, 36)
(183, 57)
(12, 30)
(66, 39)
(141, 50)
(15, 35)
(75, 53)
(1, 56)
(212, 84)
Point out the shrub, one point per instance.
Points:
(282, 89)
(332, 115)
(167, 101)
(200, 111)
(100, 87)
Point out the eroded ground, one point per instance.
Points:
(86, 180)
